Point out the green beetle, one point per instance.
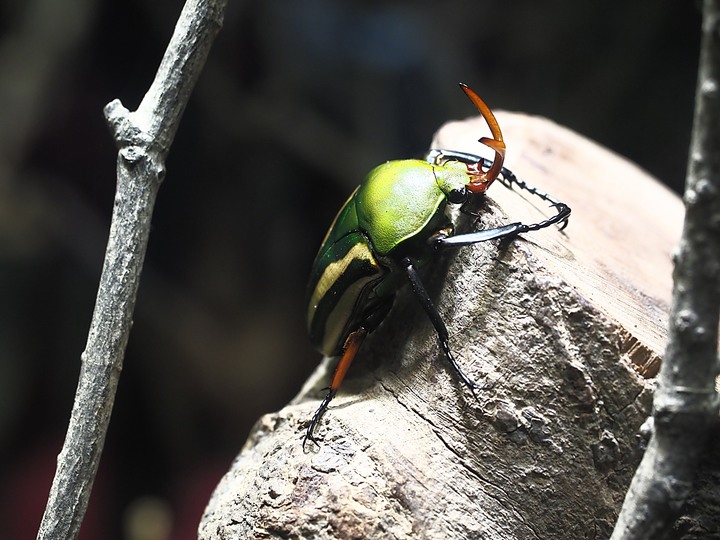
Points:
(391, 225)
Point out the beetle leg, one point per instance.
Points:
(352, 345)
(480, 236)
(424, 298)
(513, 229)
(437, 156)
(508, 179)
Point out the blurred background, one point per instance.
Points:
(297, 102)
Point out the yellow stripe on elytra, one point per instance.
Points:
(338, 317)
(334, 271)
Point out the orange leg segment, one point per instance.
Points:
(352, 346)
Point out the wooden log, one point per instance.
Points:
(563, 330)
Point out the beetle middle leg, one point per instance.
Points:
(427, 304)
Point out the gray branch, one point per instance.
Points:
(686, 402)
(143, 138)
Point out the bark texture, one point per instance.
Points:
(562, 328)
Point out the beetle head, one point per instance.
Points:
(452, 179)
(480, 180)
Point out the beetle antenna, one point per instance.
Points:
(481, 180)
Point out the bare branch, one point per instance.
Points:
(686, 402)
(143, 138)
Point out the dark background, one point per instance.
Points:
(298, 100)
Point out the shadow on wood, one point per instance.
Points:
(561, 328)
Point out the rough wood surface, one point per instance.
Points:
(624, 226)
(561, 327)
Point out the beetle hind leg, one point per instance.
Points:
(424, 298)
(352, 345)
(316, 417)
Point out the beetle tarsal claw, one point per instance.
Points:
(315, 420)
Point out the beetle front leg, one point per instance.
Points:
(424, 298)
(506, 231)
(508, 179)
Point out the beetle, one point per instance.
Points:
(394, 223)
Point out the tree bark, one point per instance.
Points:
(562, 329)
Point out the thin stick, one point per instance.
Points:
(143, 138)
(685, 401)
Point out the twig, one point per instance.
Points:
(685, 401)
(143, 138)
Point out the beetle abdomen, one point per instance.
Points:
(344, 273)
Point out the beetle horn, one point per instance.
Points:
(481, 180)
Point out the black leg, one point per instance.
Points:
(562, 210)
(351, 347)
(424, 299)
(479, 236)
(508, 179)
(316, 418)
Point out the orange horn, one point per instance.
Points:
(481, 180)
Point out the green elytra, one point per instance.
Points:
(392, 224)
(395, 204)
